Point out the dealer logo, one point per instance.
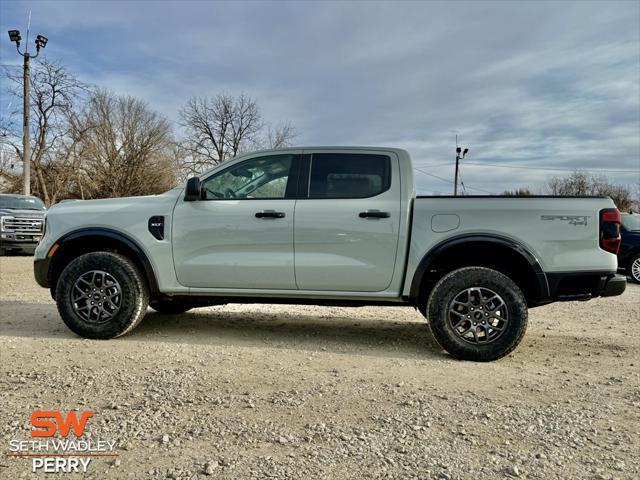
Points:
(56, 444)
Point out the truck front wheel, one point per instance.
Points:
(101, 295)
(477, 313)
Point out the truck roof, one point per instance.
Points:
(324, 147)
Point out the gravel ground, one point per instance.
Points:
(300, 392)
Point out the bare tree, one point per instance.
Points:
(54, 93)
(10, 180)
(581, 183)
(221, 127)
(218, 128)
(245, 124)
(126, 148)
(577, 183)
(281, 136)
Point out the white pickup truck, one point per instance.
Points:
(329, 226)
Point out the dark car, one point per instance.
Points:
(21, 223)
(629, 254)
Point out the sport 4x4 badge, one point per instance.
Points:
(572, 219)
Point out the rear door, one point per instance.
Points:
(347, 221)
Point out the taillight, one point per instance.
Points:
(610, 230)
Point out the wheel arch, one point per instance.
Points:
(96, 239)
(495, 251)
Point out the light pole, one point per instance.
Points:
(14, 36)
(459, 157)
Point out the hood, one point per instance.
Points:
(115, 204)
(21, 213)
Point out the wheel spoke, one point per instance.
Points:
(491, 306)
(459, 322)
(484, 337)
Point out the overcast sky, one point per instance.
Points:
(544, 85)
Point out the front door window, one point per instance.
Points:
(259, 178)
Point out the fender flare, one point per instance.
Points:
(118, 237)
(439, 249)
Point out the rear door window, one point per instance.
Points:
(349, 175)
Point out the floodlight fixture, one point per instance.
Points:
(41, 42)
(14, 36)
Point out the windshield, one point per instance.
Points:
(631, 222)
(21, 203)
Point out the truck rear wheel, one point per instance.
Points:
(101, 295)
(477, 313)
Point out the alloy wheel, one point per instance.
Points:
(635, 269)
(96, 296)
(478, 315)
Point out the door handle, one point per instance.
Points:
(374, 214)
(270, 214)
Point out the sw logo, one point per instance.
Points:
(57, 445)
(47, 424)
(44, 426)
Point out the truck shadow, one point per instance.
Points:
(324, 331)
(377, 335)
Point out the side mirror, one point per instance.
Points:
(193, 190)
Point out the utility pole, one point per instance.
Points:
(459, 156)
(14, 36)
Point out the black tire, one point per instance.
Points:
(132, 301)
(473, 283)
(169, 307)
(634, 274)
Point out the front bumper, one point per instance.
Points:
(19, 241)
(41, 271)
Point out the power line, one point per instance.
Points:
(432, 175)
(551, 168)
(433, 165)
(464, 189)
(477, 189)
(449, 181)
(559, 169)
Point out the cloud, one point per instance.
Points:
(525, 84)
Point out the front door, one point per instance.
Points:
(240, 234)
(347, 227)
